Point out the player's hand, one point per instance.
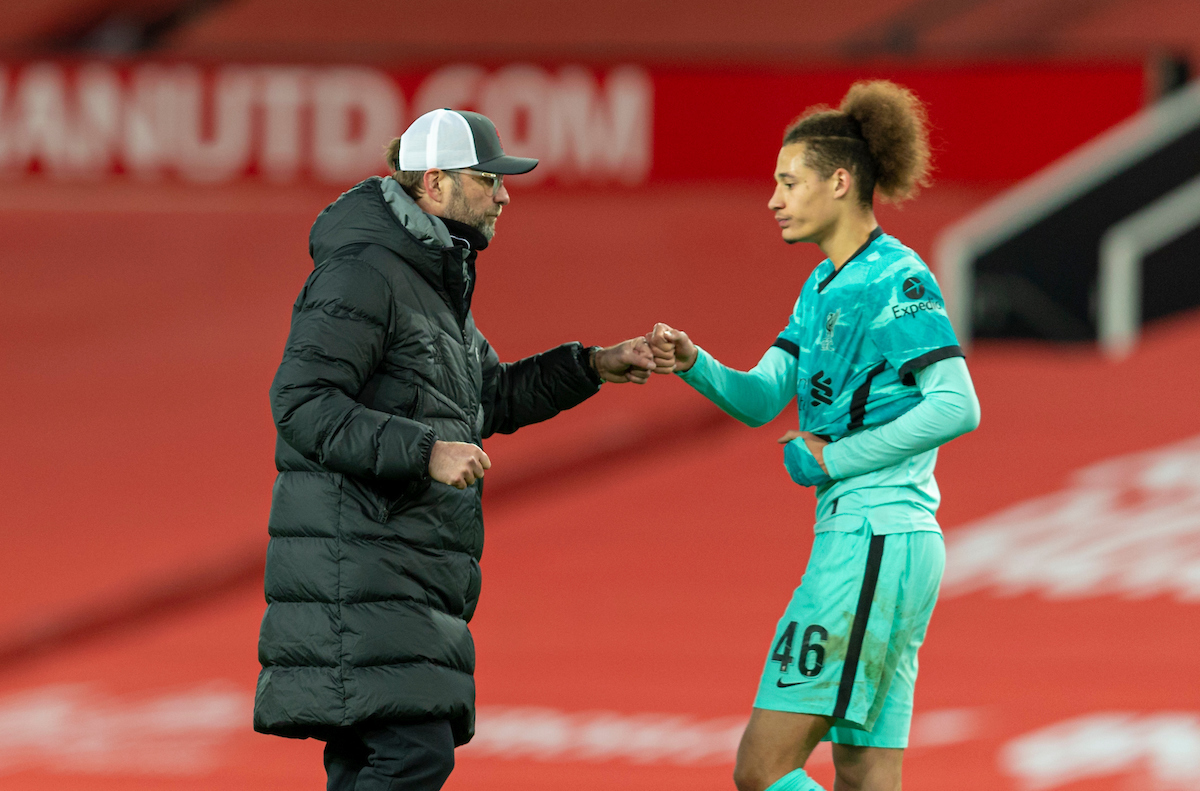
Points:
(628, 361)
(815, 445)
(458, 464)
(672, 349)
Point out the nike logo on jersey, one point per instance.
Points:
(782, 685)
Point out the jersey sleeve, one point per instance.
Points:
(789, 340)
(948, 408)
(754, 397)
(910, 325)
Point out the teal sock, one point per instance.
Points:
(795, 781)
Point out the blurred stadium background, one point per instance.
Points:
(162, 161)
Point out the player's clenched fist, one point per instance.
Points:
(458, 464)
(672, 349)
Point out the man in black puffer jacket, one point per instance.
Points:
(384, 395)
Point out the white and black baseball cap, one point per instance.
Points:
(451, 139)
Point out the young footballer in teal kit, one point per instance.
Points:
(881, 382)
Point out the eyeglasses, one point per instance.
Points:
(492, 181)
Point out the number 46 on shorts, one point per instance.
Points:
(812, 650)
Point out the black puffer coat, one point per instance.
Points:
(372, 569)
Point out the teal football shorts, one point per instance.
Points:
(847, 644)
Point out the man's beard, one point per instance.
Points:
(460, 210)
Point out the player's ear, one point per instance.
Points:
(843, 182)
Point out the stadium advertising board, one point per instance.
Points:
(624, 124)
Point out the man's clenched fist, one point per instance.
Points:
(629, 361)
(458, 464)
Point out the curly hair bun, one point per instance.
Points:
(895, 127)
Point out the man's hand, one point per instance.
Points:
(629, 361)
(672, 349)
(458, 464)
(815, 445)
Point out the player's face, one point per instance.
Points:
(804, 204)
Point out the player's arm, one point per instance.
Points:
(754, 397)
(948, 409)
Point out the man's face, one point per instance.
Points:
(472, 202)
(804, 204)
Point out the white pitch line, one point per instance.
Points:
(546, 734)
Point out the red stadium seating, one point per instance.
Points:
(755, 30)
(526, 28)
(35, 24)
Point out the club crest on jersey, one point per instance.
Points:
(830, 323)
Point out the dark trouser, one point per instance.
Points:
(410, 756)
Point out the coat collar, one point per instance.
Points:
(379, 211)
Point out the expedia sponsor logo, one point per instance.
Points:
(913, 308)
(914, 288)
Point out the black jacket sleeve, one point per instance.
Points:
(340, 329)
(533, 389)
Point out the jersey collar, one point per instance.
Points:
(875, 234)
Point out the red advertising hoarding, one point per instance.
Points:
(625, 124)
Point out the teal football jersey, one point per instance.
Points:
(858, 333)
